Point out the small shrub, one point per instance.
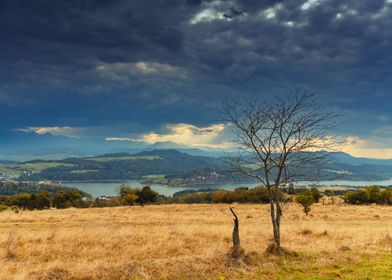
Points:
(306, 200)
(344, 248)
(57, 273)
(324, 233)
(386, 241)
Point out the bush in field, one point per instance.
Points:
(68, 199)
(147, 195)
(316, 195)
(306, 199)
(42, 200)
(130, 198)
(142, 196)
(368, 195)
(23, 200)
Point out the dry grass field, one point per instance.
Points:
(191, 242)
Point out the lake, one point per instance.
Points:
(111, 188)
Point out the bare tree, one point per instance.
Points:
(280, 141)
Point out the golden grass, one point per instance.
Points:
(191, 242)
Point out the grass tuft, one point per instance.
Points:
(10, 247)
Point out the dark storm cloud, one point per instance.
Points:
(90, 62)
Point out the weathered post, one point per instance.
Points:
(236, 251)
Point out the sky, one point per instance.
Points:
(156, 71)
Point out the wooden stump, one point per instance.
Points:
(236, 251)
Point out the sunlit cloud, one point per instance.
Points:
(212, 136)
(369, 148)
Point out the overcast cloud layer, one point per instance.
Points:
(139, 68)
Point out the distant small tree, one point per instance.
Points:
(306, 199)
(123, 190)
(68, 198)
(141, 196)
(22, 200)
(130, 198)
(146, 195)
(43, 200)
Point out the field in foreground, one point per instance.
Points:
(191, 242)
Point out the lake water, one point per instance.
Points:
(111, 188)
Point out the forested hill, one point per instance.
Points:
(150, 166)
(13, 188)
(170, 167)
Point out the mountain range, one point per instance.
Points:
(20, 146)
(170, 166)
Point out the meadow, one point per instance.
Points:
(192, 242)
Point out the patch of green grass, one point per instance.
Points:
(84, 171)
(16, 169)
(155, 179)
(324, 267)
(103, 159)
(8, 171)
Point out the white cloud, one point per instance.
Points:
(54, 130)
(118, 139)
(310, 4)
(384, 12)
(190, 135)
(271, 12)
(207, 15)
(216, 10)
(124, 70)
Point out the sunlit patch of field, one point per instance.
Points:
(191, 242)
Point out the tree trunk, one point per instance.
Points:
(277, 226)
(236, 251)
(276, 213)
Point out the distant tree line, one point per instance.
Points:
(369, 195)
(45, 200)
(12, 188)
(65, 197)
